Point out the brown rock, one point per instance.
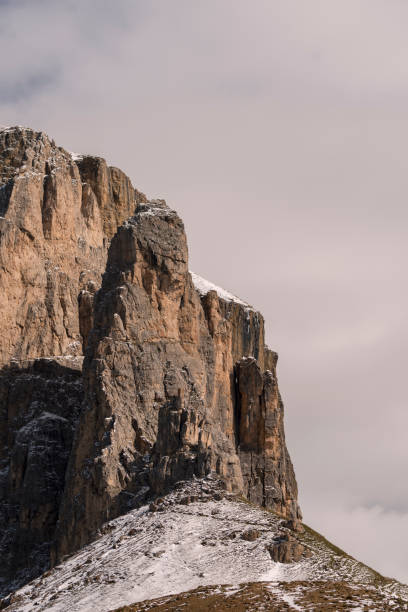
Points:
(165, 401)
(267, 470)
(115, 196)
(250, 535)
(132, 532)
(53, 250)
(169, 390)
(56, 216)
(286, 549)
(293, 525)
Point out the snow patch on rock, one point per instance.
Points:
(204, 286)
(76, 156)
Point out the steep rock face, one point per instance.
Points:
(54, 236)
(146, 378)
(40, 402)
(56, 218)
(242, 357)
(267, 470)
(167, 397)
(117, 199)
(177, 381)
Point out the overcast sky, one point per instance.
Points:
(278, 129)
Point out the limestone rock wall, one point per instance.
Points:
(269, 478)
(144, 369)
(53, 248)
(169, 392)
(176, 381)
(57, 215)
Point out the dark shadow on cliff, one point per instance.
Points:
(40, 402)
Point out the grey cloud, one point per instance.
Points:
(13, 92)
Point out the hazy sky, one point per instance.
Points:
(278, 129)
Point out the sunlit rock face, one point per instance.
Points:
(176, 381)
(57, 214)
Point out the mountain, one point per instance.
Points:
(142, 445)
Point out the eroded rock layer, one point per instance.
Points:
(176, 383)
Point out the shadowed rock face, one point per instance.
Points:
(40, 402)
(176, 382)
(269, 478)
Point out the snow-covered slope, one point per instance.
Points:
(204, 286)
(197, 535)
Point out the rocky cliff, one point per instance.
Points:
(56, 218)
(176, 381)
(57, 215)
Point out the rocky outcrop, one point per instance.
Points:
(201, 534)
(40, 402)
(166, 397)
(176, 383)
(57, 215)
(267, 471)
(285, 548)
(146, 423)
(53, 248)
(110, 189)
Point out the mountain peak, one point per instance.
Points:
(140, 408)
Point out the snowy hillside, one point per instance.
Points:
(196, 536)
